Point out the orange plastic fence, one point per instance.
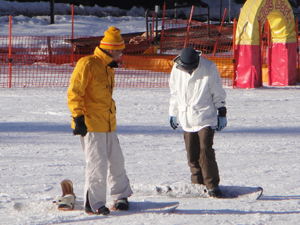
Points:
(152, 70)
(202, 36)
(48, 61)
(207, 38)
(35, 61)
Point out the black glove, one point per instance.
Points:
(222, 120)
(173, 122)
(80, 127)
(222, 111)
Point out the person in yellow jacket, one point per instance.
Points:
(94, 119)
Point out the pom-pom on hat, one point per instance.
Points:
(112, 39)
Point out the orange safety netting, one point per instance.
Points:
(35, 61)
(201, 36)
(46, 61)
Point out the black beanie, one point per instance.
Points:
(189, 57)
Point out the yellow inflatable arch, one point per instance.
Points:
(281, 56)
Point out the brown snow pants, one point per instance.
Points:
(201, 157)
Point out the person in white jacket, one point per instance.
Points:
(198, 101)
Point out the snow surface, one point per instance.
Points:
(259, 147)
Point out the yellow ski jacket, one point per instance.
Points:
(90, 92)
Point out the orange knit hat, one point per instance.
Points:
(112, 39)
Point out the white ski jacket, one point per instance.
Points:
(195, 98)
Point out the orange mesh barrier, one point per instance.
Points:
(215, 46)
(35, 62)
(202, 36)
(144, 70)
(159, 67)
(48, 61)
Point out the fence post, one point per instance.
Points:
(175, 10)
(219, 34)
(153, 31)
(297, 48)
(188, 28)
(162, 29)
(229, 7)
(72, 44)
(156, 18)
(52, 11)
(220, 10)
(234, 54)
(260, 48)
(49, 49)
(9, 55)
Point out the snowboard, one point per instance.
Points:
(241, 192)
(150, 207)
(199, 191)
(67, 201)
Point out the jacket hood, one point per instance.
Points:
(187, 68)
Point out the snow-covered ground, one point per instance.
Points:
(259, 147)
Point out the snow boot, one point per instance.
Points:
(101, 211)
(214, 192)
(121, 204)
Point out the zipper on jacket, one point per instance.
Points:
(110, 90)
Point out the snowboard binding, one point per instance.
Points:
(67, 201)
